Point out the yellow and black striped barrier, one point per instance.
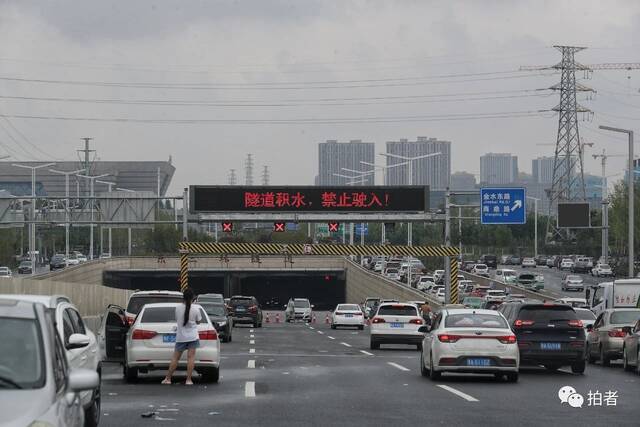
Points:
(184, 269)
(454, 281)
(303, 249)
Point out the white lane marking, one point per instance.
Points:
(321, 333)
(252, 350)
(366, 352)
(395, 365)
(250, 389)
(251, 364)
(252, 341)
(458, 393)
(251, 330)
(345, 344)
(311, 327)
(252, 336)
(330, 337)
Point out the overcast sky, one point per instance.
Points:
(207, 82)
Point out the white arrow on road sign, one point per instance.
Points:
(516, 205)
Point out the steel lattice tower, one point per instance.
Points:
(232, 180)
(568, 175)
(248, 168)
(265, 175)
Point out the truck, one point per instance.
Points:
(623, 293)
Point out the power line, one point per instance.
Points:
(16, 142)
(16, 130)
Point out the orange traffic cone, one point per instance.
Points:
(268, 318)
(277, 317)
(326, 319)
(313, 318)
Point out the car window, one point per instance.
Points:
(137, 302)
(159, 315)
(67, 326)
(543, 314)
(471, 320)
(241, 301)
(397, 310)
(585, 315)
(351, 307)
(21, 352)
(213, 309)
(59, 365)
(622, 317)
(76, 320)
(301, 304)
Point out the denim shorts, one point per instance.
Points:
(182, 346)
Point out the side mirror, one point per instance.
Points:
(77, 341)
(589, 328)
(82, 380)
(424, 329)
(626, 330)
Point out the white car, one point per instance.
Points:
(148, 344)
(138, 299)
(587, 317)
(81, 258)
(506, 275)
(396, 323)
(105, 255)
(573, 302)
(377, 267)
(481, 270)
(469, 340)
(5, 272)
(80, 345)
(602, 270)
(441, 294)
(566, 264)
(392, 273)
(528, 262)
(347, 315)
(495, 295)
(438, 275)
(72, 260)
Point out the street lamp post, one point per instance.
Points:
(67, 213)
(361, 178)
(91, 195)
(110, 186)
(535, 225)
(630, 180)
(32, 226)
(129, 229)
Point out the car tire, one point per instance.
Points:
(433, 374)
(603, 358)
(625, 362)
(590, 357)
(498, 376)
(423, 370)
(130, 374)
(512, 377)
(333, 326)
(374, 345)
(210, 375)
(92, 413)
(578, 367)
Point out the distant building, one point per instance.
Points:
(542, 170)
(433, 171)
(132, 175)
(463, 181)
(498, 168)
(334, 156)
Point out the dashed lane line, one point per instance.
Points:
(366, 352)
(345, 344)
(330, 337)
(458, 393)
(250, 389)
(395, 365)
(252, 350)
(252, 336)
(251, 364)
(250, 330)
(321, 333)
(311, 327)
(252, 341)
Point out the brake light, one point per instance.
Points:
(617, 333)
(507, 339)
(130, 320)
(448, 338)
(253, 308)
(378, 320)
(141, 334)
(210, 334)
(577, 344)
(577, 323)
(520, 323)
(416, 321)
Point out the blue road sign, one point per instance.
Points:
(503, 205)
(360, 228)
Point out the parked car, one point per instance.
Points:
(57, 262)
(567, 264)
(529, 281)
(602, 270)
(80, 345)
(5, 272)
(298, 309)
(528, 263)
(514, 260)
(40, 388)
(582, 265)
(469, 341)
(572, 282)
(541, 260)
(148, 344)
(347, 315)
(573, 302)
(505, 275)
(25, 267)
(489, 260)
(481, 270)
(219, 316)
(396, 323)
(631, 349)
(137, 300)
(245, 309)
(548, 334)
(606, 338)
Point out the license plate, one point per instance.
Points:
(478, 362)
(550, 345)
(397, 325)
(348, 315)
(239, 308)
(169, 338)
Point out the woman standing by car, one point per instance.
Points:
(187, 316)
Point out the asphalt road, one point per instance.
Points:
(310, 375)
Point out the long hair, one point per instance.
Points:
(187, 295)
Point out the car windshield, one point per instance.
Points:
(137, 302)
(213, 309)
(481, 267)
(585, 315)
(25, 264)
(211, 298)
(527, 276)
(625, 317)
(301, 304)
(391, 271)
(241, 301)
(162, 315)
(551, 313)
(472, 300)
(471, 320)
(398, 310)
(21, 354)
(509, 273)
(574, 278)
(348, 307)
(605, 266)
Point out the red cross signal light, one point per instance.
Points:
(279, 227)
(227, 227)
(333, 227)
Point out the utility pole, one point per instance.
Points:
(93, 205)
(129, 250)
(447, 242)
(185, 214)
(110, 186)
(66, 207)
(605, 203)
(86, 155)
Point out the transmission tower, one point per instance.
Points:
(232, 179)
(248, 169)
(265, 175)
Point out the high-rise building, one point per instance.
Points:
(498, 168)
(542, 170)
(334, 157)
(434, 171)
(463, 181)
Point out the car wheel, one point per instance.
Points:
(92, 413)
(333, 326)
(625, 362)
(603, 358)
(130, 374)
(578, 367)
(590, 357)
(498, 376)
(374, 345)
(423, 370)
(433, 374)
(512, 377)
(211, 375)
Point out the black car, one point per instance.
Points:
(491, 261)
(25, 267)
(220, 318)
(547, 334)
(57, 262)
(245, 310)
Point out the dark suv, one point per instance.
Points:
(245, 310)
(57, 262)
(490, 260)
(547, 334)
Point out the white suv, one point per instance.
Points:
(137, 300)
(396, 323)
(79, 342)
(481, 270)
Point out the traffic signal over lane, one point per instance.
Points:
(279, 227)
(227, 227)
(334, 227)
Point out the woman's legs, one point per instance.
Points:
(191, 360)
(174, 364)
